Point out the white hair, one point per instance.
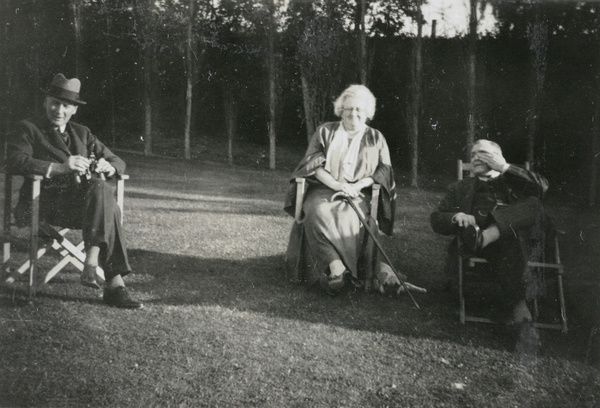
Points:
(490, 142)
(356, 91)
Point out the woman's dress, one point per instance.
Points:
(331, 230)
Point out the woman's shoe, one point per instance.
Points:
(336, 283)
(88, 277)
(333, 285)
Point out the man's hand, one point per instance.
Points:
(77, 164)
(494, 160)
(102, 166)
(463, 220)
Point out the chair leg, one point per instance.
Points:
(52, 272)
(461, 295)
(561, 293)
(561, 299)
(7, 222)
(33, 244)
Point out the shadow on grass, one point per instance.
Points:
(259, 285)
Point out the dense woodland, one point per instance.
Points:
(266, 72)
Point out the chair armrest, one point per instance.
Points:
(29, 176)
(300, 190)
(375, 201)
(120, 191)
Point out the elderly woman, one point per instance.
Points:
(345, 156)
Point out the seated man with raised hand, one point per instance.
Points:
(499, 216)
(73, 194)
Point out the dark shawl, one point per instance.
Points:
(373, 147)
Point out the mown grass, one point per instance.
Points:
(223, 328)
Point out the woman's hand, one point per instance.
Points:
(350, 190)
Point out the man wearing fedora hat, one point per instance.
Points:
(59, 149)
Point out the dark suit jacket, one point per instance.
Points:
(34, 145)
(521, 183)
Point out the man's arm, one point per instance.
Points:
(525, 183)
(20, 147)
(442, 219)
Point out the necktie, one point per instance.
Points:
(64, 136)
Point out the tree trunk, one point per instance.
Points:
(472, 81)
(308, 102)
(595, 146)
(77, 22)
(147, 51)
(362, 42)
(36, 54)
(595, 151)
(190, 83)
(415, 101)
(5, 74)
(111, 84)
(537, 35)
(230, 120)
(272, 91)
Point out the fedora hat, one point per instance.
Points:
(65, 89)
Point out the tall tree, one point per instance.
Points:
(189, 73)
(234, 53)
(471, 72)
(108, 16)
(272, 74)
(322, 58)
(146, 16)
(360, 29)
(595, 144)
(537, 35)
(76, 8)
(415, 95)
(5, 73)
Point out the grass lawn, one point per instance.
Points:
(223, 328)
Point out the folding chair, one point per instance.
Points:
(43, 237)
(469, 265)
(369, 252)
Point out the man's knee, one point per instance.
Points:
(522, 215)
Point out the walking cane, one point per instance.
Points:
(372, 235)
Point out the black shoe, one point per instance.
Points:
(333, 286)
(471, 240)
(119, 297)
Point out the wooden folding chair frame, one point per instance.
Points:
(557, 266)
(370, 254)
(70, 253)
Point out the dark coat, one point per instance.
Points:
(519, 182)
(524, 190)
(33, 145)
